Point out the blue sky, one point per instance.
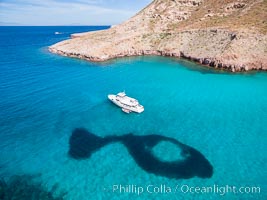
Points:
(67, 12)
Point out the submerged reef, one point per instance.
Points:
(83, 144)
(25, 187)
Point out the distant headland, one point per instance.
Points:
(226, 34)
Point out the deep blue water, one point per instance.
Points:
(44, 98)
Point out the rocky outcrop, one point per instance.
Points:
(180, 28)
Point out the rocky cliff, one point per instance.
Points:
(218, 33)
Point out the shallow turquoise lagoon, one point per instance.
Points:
(45, 98)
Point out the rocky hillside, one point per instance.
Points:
(219, 33)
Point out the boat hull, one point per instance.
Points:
(113, 98)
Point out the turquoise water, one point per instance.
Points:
(44, 98)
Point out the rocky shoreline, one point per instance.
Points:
(210, 62)
(232, 49)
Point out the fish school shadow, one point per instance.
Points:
(82, 144)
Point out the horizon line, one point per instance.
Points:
(57, 25)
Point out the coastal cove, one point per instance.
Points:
(77, 50)
(50, 106)
(223, 35)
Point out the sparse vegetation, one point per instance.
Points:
(253, 13)
(165, 35)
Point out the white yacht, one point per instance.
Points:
(127, 104)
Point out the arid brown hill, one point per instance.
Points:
(219, 33)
